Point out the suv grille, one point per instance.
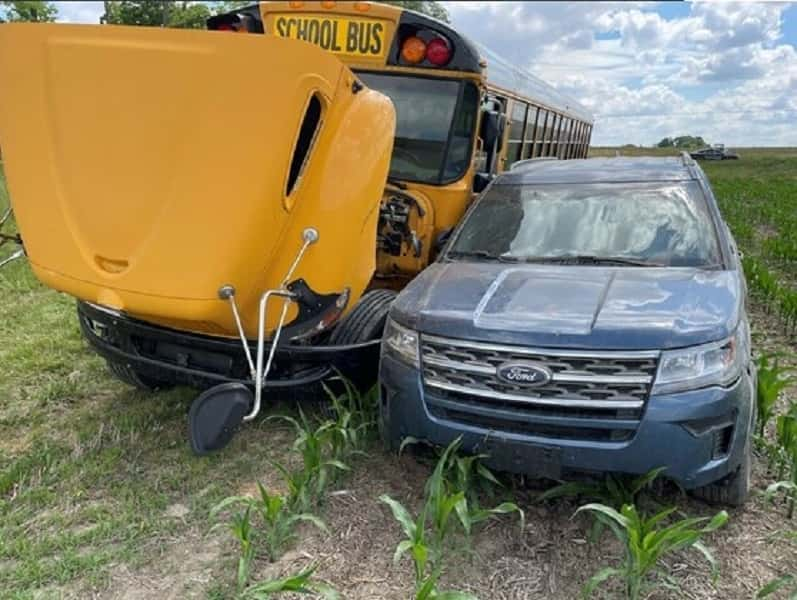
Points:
(591, 395)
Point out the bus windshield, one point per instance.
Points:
(433, 127)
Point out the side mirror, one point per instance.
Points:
(481, 181)
(492, 128)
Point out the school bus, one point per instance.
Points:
(238, 207)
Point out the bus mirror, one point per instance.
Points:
(481, 181)
(492, 128)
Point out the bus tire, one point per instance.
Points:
(364, 323)
(126, 374)
(367, 319)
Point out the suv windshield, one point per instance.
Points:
(429, 112)
(645, 224)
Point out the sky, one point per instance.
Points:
(726, 71)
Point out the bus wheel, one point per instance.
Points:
(366, 321)
(126, 374)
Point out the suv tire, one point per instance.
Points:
(734, 489)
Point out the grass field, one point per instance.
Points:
(101, 497)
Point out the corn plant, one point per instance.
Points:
(786, 433)
(240, 526)
(614, 490)
(646, 542)
(278, 522)
(451, 487)
(427, 572)
(786, 582)
(772, 380)
(789, 488)
(354, 417)
(313, 443)
(301, 583)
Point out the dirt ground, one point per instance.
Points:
(549, 558)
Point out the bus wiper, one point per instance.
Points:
(482, 254)
(396, 183)
(590, 259)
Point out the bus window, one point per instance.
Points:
(564, 137)
(539, 135)
(459, 154)
(550, 135)
(531, 125)
(515, 133)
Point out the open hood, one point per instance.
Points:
(147, 167)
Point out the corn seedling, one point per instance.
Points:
(772, 380)
(453, 485)
(787, 440)
(787, 583)
(314, 445)
(646, 542)
(301, 583)
(353, 417)
(427, 570)
(240, 526)
(789, 488)
(278, 521)
(614, 490)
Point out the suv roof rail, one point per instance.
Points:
(529, 161)
(686, 159)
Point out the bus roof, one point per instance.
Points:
(507, 76)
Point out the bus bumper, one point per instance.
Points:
(201, 361)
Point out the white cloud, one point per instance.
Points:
(712, 72)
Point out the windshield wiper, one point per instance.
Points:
(589, 259)
(396, 183)
(483, 255)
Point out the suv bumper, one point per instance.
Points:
(699, 436)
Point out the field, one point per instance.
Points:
(101, 497)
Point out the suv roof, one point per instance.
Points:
(602, 170)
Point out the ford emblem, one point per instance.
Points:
(523, 373)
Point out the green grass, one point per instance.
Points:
(89, 467)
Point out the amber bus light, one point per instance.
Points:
(413, 50)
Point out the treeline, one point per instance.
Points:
(167, 13)
(686, 142)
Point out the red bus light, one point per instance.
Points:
(438, 52)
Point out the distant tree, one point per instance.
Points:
(427, 7)
(683, 142)
(230, 5)
(29, 11)
(156, 13)
(689, 141)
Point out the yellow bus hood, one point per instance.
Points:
(147, 167)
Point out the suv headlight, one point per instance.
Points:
(401, 343)
(717, 363)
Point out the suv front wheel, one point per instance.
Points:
(733, 490)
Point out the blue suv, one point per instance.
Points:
(586, 316)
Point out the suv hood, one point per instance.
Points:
(585, 307)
